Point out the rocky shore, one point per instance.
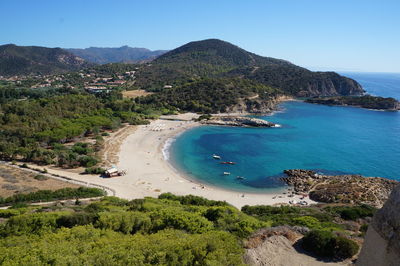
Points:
(366, 101)
(237, 121)
(341, 188)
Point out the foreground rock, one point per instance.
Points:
(237, 121)
(373, 191)
(382, 242)
(367, 101)
(275, 247)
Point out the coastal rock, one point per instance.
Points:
(237, 121)
(382, 242)
(366, 101)
(341, 188)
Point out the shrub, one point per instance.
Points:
(192, 200)
(48, 195)
(40, 177)
(87, 161)
(74, 219)
(125, 222)
(94, 171)
(319, 242)
(353, 212)
(345, 248)
(307, 221)
(326, 244)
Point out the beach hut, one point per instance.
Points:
(111, 172)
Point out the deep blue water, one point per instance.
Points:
(328, 139)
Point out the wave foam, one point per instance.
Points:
(165, 149)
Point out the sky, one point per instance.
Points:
(339, 35)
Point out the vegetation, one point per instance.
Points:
(366, 101)
(36, 130)
(179, 231)
(215, 58)
(170, 230)
(313, 218)
(209, 95)
(327, 244)
(24, 60)
(48, 195)
(352, 212)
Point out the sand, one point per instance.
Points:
(149, 174)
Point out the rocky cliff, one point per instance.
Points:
(382, 242)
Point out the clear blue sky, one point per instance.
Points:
(359, 35)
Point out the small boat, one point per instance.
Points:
(227, 173)
(217, 157)
(240, 177)
(227, 163)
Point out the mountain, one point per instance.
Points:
(116, 55)
(215, 58)
(25, 60)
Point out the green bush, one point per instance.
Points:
(75, 219)
(307, 221)
(48, 195)
(192, 200)
(353, 212)
(125, 222)
(40, 177)
(345, 248)
(94, 170)
(326, 244)
(32, 223)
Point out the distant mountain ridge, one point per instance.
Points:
(217, 58)
(123, 54)
(26, 60)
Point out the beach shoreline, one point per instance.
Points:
(142, 155)
(140, 151)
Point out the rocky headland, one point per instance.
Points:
(355, 189)
(237, 121)
(366, 101)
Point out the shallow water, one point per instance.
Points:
(328, 139)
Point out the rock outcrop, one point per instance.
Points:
(237, 121)
(341, 188)
(382, 242)
(366, 101)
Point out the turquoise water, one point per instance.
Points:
(328, 139)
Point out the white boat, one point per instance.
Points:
(217, 157)
(227, 173)
(239, 177)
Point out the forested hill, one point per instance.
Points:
(216, 58)
(124, 54)
(25, 60)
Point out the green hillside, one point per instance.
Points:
(216, 58)
(26, 60)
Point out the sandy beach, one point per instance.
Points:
(139, 151)
(149, 174)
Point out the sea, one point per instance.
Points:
(329, 140)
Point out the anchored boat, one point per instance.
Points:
(217, 157)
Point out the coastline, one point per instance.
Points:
(140, 150)
(149, 174)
